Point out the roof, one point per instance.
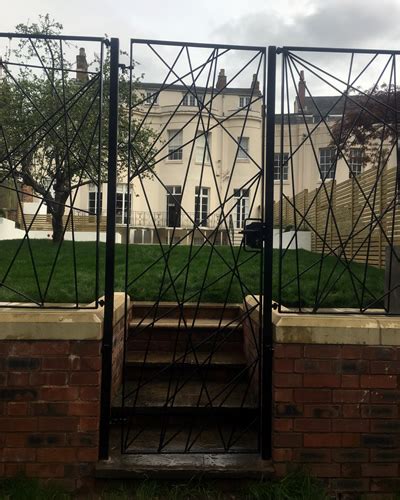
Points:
(328, 105)
(182, 88)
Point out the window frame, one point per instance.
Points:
(328, 168)
(175, 151)
(278, 167)
(242, 152)
(93, 209)
(151, 97)
(189, 100)
(352, 163)
(125, 208)
(199, 157)
(174, 202)
(244, 101)
(201, 210)
(242, 204)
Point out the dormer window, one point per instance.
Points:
(244, 101)
(189, 100)
(151, 97)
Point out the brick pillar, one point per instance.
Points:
(50, 372)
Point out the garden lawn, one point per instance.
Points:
(209, 274)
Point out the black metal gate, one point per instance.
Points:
(190, 189)
(194, 356)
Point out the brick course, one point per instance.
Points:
(336, 413)
(47, 396)
(50, 403)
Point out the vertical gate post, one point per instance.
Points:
(106, 371)
(266, 344)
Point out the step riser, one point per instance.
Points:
(189, 312)
(131, 417)
(211, 373)
(196, 335)
(169, 346)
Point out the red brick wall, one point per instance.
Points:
(336, 410)
(49, 409)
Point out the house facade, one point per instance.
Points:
(206, 161)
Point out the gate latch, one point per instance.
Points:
(253, 234)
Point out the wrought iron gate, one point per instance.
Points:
(193, 346)
(199, 198)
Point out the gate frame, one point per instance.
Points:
(268, 144)
(266, 299)
(107, 342)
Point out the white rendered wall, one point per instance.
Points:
(8, 231)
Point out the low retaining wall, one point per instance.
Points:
(50, 371)
(337, 400)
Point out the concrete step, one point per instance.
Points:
(177, 324)
(184, 394)
(168, 336)
(169, 310)
(184, 466)
(201, 328)
(220, 366)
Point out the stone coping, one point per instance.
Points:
(307, 328)
(60, 324)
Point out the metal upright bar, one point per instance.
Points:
(266, 338)
(106, 373)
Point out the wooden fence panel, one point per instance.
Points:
(355, 220)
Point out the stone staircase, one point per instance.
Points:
(188, 395)
(237, 237)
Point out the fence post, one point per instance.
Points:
(106, 371)
(266, 345)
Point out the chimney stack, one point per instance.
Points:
(302, 92)
(255, 84)
(221, 82)
(81, 66)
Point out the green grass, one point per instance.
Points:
(156, 490)
(209, 275)
(298, 485)
(22, 488)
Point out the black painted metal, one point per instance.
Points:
(107, 344)
(56, 150)
(266, 364)
(359, 115)
(213, 231)
(210, 232)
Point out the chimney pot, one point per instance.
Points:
(301, 92)
(221, 82)
(255, 84)
(82, 66)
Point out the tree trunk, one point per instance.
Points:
(57, 223)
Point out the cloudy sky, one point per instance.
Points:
(339, 23)
(357, 23)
